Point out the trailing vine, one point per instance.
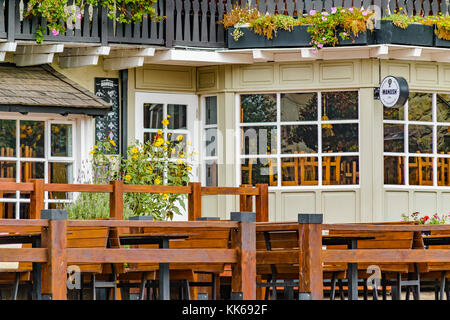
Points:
(57, 12)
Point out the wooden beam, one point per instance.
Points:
(262, 56)
(99, 255)
(23, 60)
(8, 46)
(40, 49)
(146, 52)
(386, 256)
(86, 51)
(195, 201)
(23, 255)
(405, 53)
(380, 52)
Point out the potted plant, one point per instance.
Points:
(398, 28)
(441, 31)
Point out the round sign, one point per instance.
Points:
(394, 91)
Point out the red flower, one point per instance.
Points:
(426, 218)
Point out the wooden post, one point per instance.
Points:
(195, 201)
(116, 200)
(245, 201)
(54, 238)
(243, 283)
(262, 203)
(37, 199)
(310, 256)
(169, 22)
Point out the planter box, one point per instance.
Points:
(441, 42)
(298, 37)
(414, 34)
(363, 39)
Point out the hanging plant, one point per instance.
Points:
(57, 12)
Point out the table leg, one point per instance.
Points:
(36, 274)
(353, 275)
(164, 279)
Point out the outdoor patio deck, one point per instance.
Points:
(291, 251)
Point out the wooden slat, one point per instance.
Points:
(19, 224)
(13, 186)
(23, 254)
(386, 255)
(230, 190)
(156, 189)
(59, 187)
(98, 255)
(156, 225)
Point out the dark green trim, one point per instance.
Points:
(123, 112)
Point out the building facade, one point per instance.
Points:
(306, 123)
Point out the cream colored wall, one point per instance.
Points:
(370, 201)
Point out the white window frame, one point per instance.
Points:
(279, 155)
(48, 121)
(203, 128)
(434, 124)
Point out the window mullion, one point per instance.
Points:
(319, 138)
(279, 171)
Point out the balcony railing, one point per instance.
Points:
(191, 23)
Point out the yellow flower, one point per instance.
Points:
(181, 155)
(180, 137)
(168, 116)
(93, 152)
(150, 170)
(159, 142)
(135, 150)
(165, 196)
(188, 168)
(179, 161)
(164, 147)
(95, 146)
(159, 132)
(134, 157)
(189, 143)
(157, 181)
(112, 142)
(167, 142)
(128, 177)
(165, 122)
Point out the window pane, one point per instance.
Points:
(211, 173)
(394, 138)
(150, 136)
(210, 142)
(258, 140)
(340, 137)
(299, 171)
(394, 113)
(7, 138)
(59, 173)
(31, 170)
(420, 106)
(299, 107)
(443, 171)
(61, 136)
(211, 110)
(443, 139)
(443, 107)
(421, 171)
(255, 171)
(340, 105)
(420, 139)
(8, 171)
(32, 139)
(178, 143)
(177, 116)
(258, 108)
(299, 139)
(394, 170)
(153, 115)
(8, 209)
(340, 170)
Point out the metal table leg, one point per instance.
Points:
(164, 278)
(353, 275)
(36, 274)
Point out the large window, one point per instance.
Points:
(418, 134)
(299, 133)
(34, 149)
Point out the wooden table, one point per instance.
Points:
(162, 240)
(35, 240)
